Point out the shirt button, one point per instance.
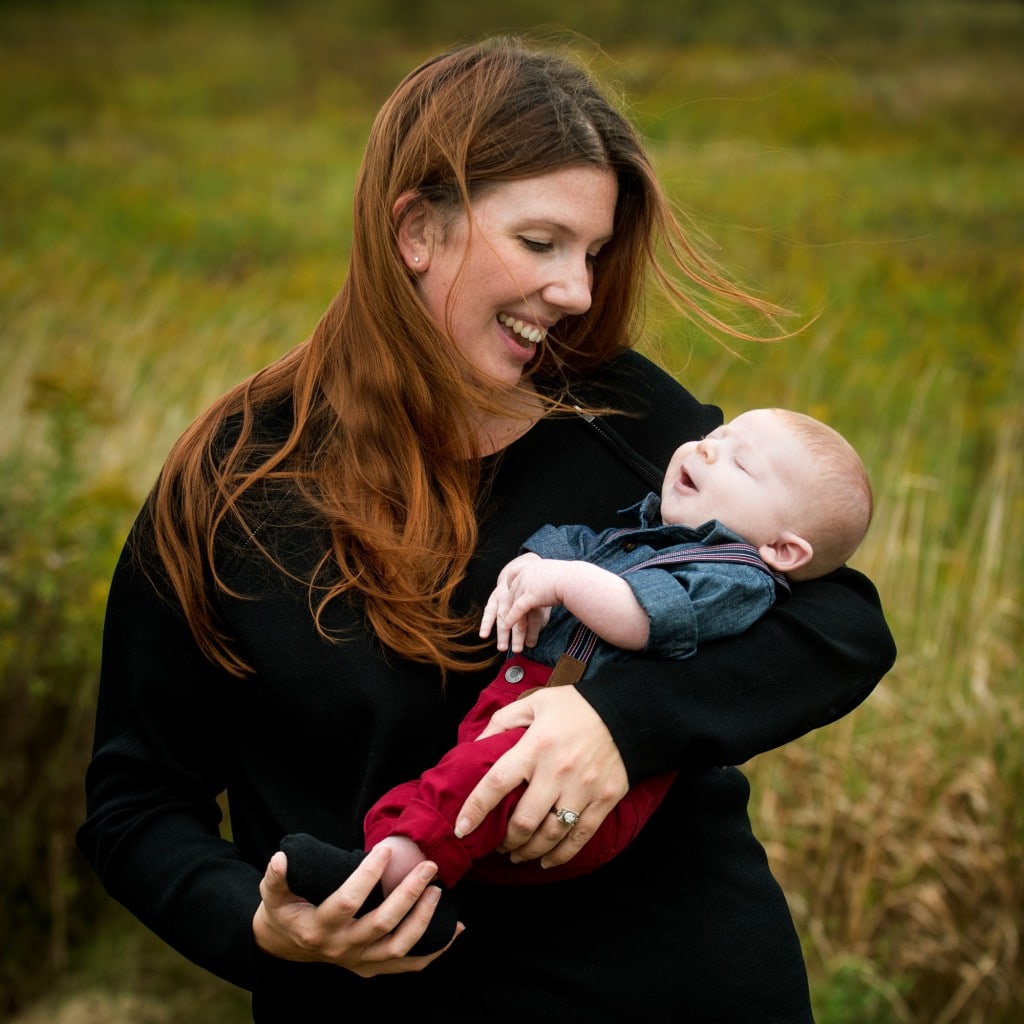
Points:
(514, 674)
(630, 545)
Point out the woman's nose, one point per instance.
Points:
(570, 288)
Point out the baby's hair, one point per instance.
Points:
(836, 516)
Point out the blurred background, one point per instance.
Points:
(175, 180)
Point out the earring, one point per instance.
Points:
(415, 259)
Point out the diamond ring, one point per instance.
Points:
(567, 817)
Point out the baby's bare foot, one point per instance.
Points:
(405, 855)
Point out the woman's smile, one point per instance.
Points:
(530, 334)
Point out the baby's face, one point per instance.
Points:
(749, 473)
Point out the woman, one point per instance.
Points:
(293, 619)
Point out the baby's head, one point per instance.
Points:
(785, 482)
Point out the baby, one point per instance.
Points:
(772, 496)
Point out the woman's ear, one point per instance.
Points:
(787, 553)
(413, 222)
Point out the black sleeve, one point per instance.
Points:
(152, 825)
(809, 661)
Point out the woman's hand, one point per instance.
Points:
(569, 761)
(377, 942)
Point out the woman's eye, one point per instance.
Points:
(534, 245)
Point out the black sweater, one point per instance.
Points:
(688, 924)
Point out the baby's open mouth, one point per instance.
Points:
(528, 332)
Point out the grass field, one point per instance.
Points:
(174, 186)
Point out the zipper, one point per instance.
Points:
(640, 465)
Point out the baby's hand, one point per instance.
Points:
(520, 605)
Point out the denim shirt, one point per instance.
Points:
(687, 604)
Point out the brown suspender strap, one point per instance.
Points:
(567, 671)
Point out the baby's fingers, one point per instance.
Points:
(490, 615)
(535, 622)
(519, 637)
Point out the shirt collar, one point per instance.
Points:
(648, 512)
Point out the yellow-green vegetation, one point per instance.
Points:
(174, 188)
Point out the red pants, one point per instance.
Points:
(425, 810)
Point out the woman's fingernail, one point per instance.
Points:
(462, 827)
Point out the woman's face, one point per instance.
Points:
(527, 262)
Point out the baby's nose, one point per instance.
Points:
(707, 450)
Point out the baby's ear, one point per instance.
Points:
(787, 553)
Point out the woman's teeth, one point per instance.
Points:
(525, 331)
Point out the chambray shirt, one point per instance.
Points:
(687, 604)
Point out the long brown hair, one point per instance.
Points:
(378, 394)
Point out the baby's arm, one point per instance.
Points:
(529, 586)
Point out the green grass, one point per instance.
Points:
(175, 180)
